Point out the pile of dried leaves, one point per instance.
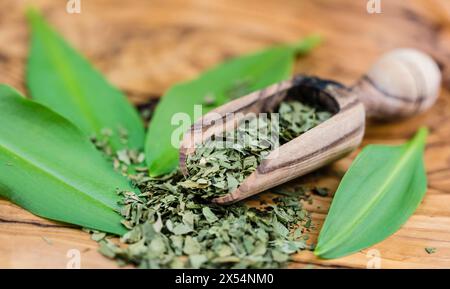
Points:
(172, 225)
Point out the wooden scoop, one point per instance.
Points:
(401, 83)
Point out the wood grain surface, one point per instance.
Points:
(143, 47)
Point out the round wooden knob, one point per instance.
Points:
(401, 83)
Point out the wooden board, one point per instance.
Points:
(143, 47)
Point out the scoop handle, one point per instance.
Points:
(402, 83)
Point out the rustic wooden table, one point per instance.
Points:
(143, 47)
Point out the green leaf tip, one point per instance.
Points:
(420, 136)
(380, 191)
(32, 13)
(307, 44)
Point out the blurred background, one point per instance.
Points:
(145, 46)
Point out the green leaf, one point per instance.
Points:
(213, 88)
(49, 167)
(380, 191)
(209, 215)
(64, 81)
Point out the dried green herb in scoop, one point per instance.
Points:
(217, 169)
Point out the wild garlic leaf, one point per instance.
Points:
(59, 77)
(380, 191)
(49, 167)
(213, 88)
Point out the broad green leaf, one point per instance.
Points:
(213, 88)
(49, 167)
(64, 81)
(380, 191)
